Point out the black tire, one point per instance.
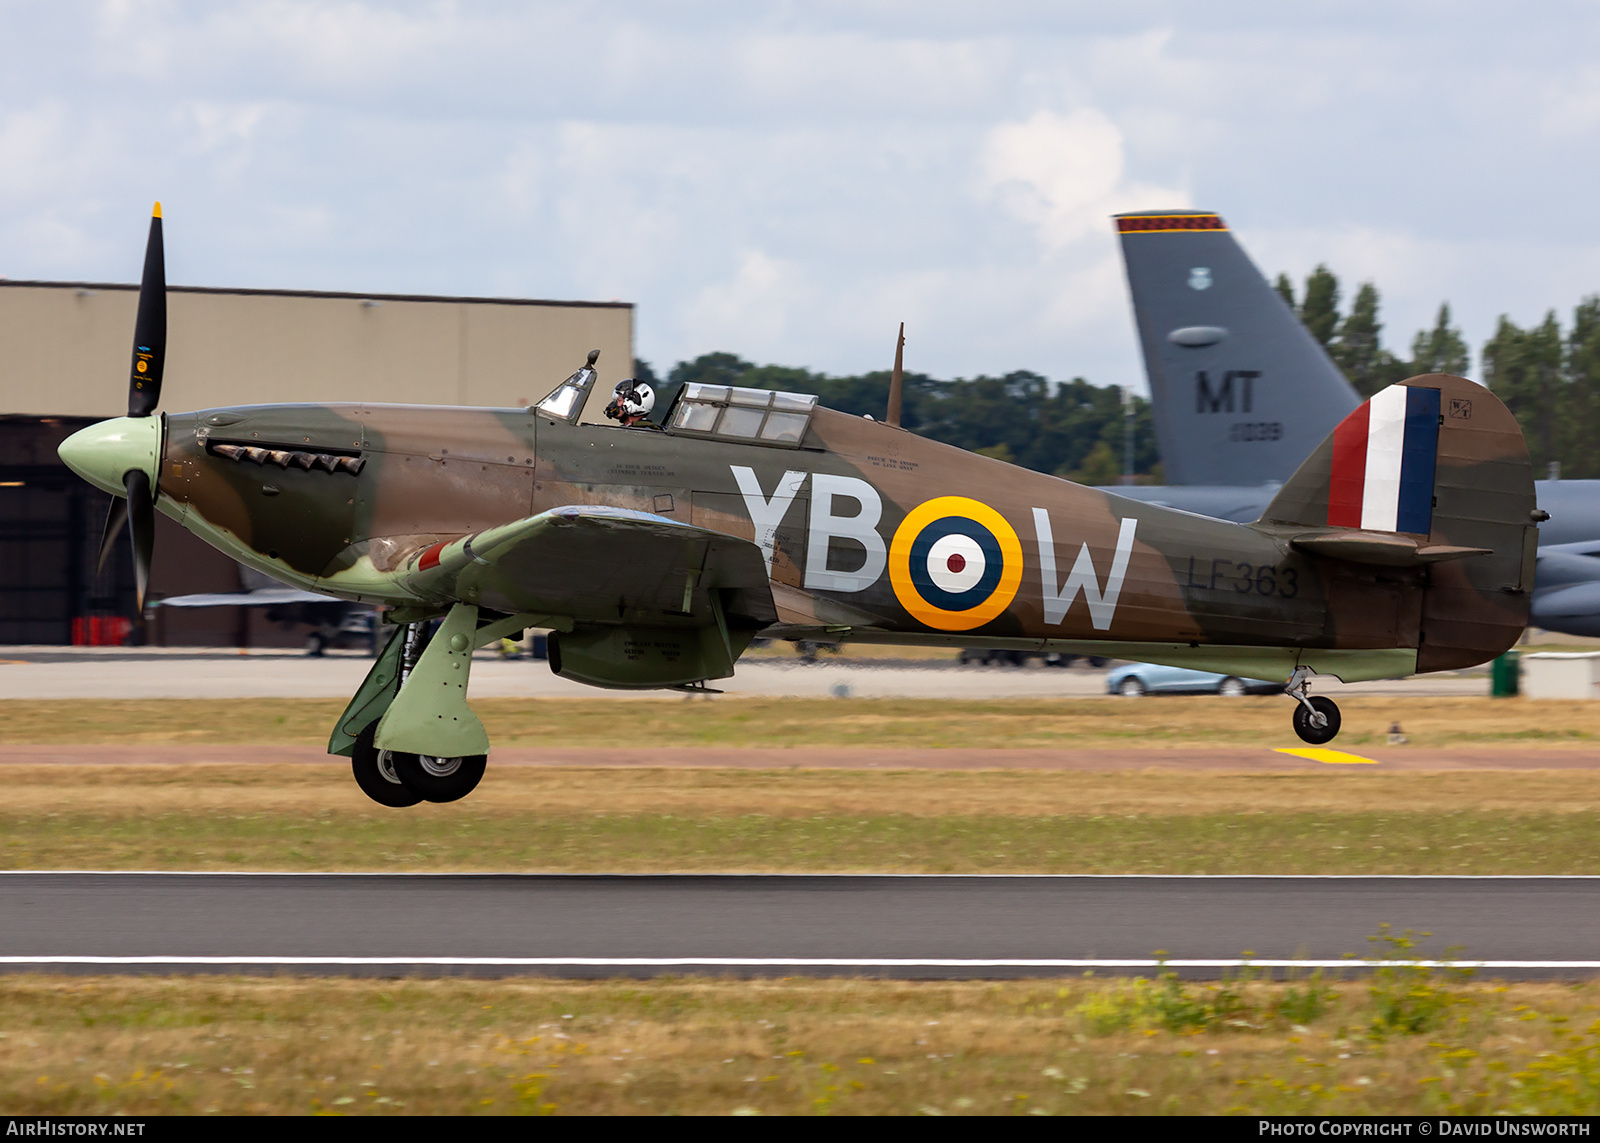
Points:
(440, 779)
(384, 788)
(1231, 687)
(1131, 687)
(1316, 736)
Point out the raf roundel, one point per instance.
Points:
(955, 563)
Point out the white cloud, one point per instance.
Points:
(1063, 174)
(752, 306)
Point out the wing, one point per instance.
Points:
(597, 564)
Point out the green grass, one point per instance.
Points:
(955, 843)
(1406, 1042)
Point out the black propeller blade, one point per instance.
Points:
(150, 328)
(144, 393)
(141, 509)
(108, 537)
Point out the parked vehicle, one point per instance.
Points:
(1134, 679)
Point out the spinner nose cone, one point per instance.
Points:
(104, 452)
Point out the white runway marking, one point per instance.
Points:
(941, 925)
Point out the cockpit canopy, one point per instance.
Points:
(721, 412)
(732, 412)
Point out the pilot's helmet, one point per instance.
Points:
(635, 398)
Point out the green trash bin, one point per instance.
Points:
(1505, 675)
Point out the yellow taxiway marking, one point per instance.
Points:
(1332, 757)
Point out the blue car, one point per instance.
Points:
(1136, 679)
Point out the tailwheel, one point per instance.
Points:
(375, 773)
(1312, 711)
(439, 779)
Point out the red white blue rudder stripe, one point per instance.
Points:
(1383, 461)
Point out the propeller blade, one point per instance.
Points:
(108, 538)
(141, 528)
(150, 328)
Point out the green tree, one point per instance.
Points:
(1041, 425)
(1320, 309)
(1358, 351)
(707, 369)
(1524, 368)
(1100, 467)
(1000, 451)
(1367, 365)
(1580, 454)
(1285, 290)
(1441, 349)
(710, 369)
(643, 372)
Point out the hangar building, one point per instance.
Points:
(65, 365)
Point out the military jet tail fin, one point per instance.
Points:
(1430, 474)
(1240, 390)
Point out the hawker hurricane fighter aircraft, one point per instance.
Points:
(657, 546)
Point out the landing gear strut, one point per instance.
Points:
(1316, 718)
(418, 740)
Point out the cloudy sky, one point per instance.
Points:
(789, 180)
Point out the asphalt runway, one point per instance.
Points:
(906, 926)
(221, 673)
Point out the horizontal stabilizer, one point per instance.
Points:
(1384, 548)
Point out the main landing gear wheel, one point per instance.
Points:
(1304, 720)
(439, 779)
(375, 774)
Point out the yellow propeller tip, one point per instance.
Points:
(157, 213)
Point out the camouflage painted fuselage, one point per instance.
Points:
(870, 534)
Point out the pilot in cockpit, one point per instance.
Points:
(631, 404)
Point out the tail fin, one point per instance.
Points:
(1431, 474)
(1241, 391)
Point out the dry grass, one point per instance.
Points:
(310, 817)
(1319, 820)
(782, 792)
(147, 1046)
(794, 722)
